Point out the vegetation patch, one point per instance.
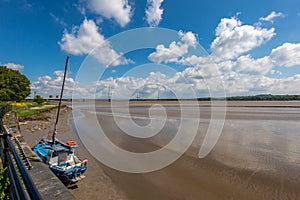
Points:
(14, 86)
(4, 184)
(31, 110)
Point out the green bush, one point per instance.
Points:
(4, 184)
(38, 99)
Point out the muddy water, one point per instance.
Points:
(256, 157)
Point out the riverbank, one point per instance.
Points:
(96, 185)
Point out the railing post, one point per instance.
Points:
(14, 165)
(13, 191)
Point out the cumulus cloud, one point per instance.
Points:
(119, 10)
(234, 39)
(248, 65)
(82, 39)
(46, 85)
(154, 12)
(176, 50)
(85, 38)
(240, 72)
(285, 85)
(148, 87)
(14, 66)
(272, 16)
(229, 62)
(200, 80)
(287, 55)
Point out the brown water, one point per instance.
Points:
(256, 157)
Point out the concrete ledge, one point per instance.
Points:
(47, 183)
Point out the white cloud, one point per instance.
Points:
(176, 50)
(241, 73)
(242, 65)
(287, 55)
(248, 65)
(272, 16)
(85, 38)
(128, 87)
(200, 80)
(46, 85)
(233, 38)
(188, 38)
(286, 85)
(120, 10)
(154, 12)
(14, 66)
(82, 39)
(194, 60)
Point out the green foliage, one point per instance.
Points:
(38, 99)
(4, 184)
(13, 85)
(265, 97)
(31, 110)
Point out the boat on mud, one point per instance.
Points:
(60, 156)
(62, 160)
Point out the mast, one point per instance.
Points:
(60, 99)
(138, 95)
(109, 94)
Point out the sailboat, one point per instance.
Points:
(60, 156)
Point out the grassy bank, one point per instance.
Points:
(30, 109)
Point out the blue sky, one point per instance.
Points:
(254, 45)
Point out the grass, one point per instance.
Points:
(31, 109)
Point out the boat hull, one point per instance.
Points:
(62, 161)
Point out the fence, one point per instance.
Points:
(21, 185)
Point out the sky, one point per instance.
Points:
(246, 47)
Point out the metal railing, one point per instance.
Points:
(21, 185)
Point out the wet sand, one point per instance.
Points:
(256, 157)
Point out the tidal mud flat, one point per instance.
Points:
(256, 157)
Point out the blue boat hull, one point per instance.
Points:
(62, 161)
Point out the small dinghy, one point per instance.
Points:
(62, 160)
(60, 156)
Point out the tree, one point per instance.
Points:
(38, 99)
(14, 86)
